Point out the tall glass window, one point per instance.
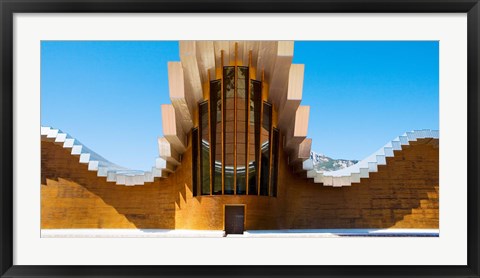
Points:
(241, 122)
(229, 127)
(194, 161)
(265, 148)
(235, 147)
(216, 134)
(274, 169)
(204, 149)
(254, 135)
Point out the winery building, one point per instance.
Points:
(234, 156)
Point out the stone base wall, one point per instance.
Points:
(402, 194)
(73, 197)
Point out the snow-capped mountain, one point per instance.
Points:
(322, 162)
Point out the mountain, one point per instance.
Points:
(322, 162)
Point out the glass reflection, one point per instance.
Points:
(265, 148)
(235, 151)
(241, 122)
(274, 168)
(194, 161)
(204, 150)
(253, 135)
(216, 138)
(229, 127)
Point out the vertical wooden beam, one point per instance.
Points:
(240, 53)
(270, 138)
(223, 124)
(247, 129)
(250, 56)
(209, 134)
(199, 180)
(206, 92)
(236, 53)
(251, 68)
(210, 141)
(232, 45)
(221, 59)
(235, 122)
(259, 186)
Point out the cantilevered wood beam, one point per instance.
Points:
(167, 152)
(164, 165)
(219, 46)
(240, 53)
(231, 52)
(279, 82)
(267, 53)
(205, 59)
(247, 47)
(295, 135)
(172, 129)
(193, 83)
(290, 101)
(301, 153)
(181, 101)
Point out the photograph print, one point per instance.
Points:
(239, 139)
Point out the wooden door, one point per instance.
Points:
(234, 219)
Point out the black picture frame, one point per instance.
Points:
(9, 7)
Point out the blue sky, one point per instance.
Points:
(362, 94)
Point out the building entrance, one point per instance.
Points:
(234, 219)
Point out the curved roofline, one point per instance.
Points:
(349, 175)
(103, 167)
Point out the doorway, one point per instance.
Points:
(234, 219)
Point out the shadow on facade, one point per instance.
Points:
(77, 191)
(402, 194)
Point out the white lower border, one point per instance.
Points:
(307, 233)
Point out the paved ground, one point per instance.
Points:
(154, 233)
(346, 233)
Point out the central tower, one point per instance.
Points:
(237, 144)
(235, 102)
